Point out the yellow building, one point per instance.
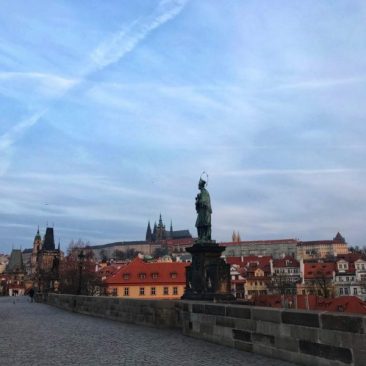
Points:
(322, 248)
(148, 280)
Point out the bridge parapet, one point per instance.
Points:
(303, 337)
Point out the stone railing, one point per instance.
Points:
(303, 337)
(156, 313)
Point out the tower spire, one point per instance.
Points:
(148, 232)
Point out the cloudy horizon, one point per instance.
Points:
(109, 113)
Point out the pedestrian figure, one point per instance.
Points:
(31, 294)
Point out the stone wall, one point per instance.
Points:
(155, 313)
(303, 337)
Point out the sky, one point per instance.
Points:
(111, 110)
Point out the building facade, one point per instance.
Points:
(14, 282)
(274, 248)
(148, 280)
(320, 249)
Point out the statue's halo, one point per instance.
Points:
(206, 180)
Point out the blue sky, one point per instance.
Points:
(110, 111)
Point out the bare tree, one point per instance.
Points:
(79, 271)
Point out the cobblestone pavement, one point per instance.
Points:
(37, 334)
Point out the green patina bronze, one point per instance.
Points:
(204, 211)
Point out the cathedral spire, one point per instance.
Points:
(148, 232)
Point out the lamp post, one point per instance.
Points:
(81, 258)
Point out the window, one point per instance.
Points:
(341, 291)
(175, 290)
(114, 292)
(126, 276)
(173, 275)
(142, 275)
(126, 291)
(355, 291)
(153, 291)
(166, 291)
(155, 275)
(346, 291)
(142, 291)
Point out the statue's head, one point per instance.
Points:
(201, 183)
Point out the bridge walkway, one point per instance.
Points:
(34, 334)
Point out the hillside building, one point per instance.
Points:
(148, 280)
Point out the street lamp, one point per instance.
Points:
(81, 258)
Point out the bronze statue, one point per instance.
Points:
(204, 211)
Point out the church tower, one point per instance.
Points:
(37, 246)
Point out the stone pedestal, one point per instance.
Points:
(208, 277)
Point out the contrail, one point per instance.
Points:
(108, 52)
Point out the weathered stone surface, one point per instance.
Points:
(326, 351)
(263, 338)
(268, 328)
(244, 346)
(287, 343)
(245, 324)
(304, 333)
(238, 312)
(359, 357)
(242, 335)
(215, 309)
(225, 321)
(266, 314)
(198, 308)
(308, 319)
(345, 323)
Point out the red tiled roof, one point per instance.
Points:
(347, 304)
(108, 270)
(318, 270)
(245, 261)
(140, 272)
(351, 257)
(292, 262)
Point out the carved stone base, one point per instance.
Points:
(208, 277)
